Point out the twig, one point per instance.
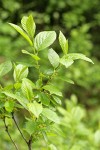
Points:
(6, 129)
(18, 128)
(29, 143)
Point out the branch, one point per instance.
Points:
(30, 143)
(6, 129)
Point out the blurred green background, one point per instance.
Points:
(79, 20)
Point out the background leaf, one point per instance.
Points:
(5, 68)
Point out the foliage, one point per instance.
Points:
(78, 21)
(38, 98)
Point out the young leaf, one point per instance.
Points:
(44, 39)
(45, 100)
(5, 68)
(26, 88)
(23, 23)
(35, 108)
(9, 105)
(18, 29)
(30, 26)
(32, 55)
(63, 43)
(53, 58)
(75, 56)
(17, 85)
(51, 115)
(66, 62)
(20, 72)
(52, 89)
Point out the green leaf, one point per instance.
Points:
(39, 83)
(44, 98)
(30, 26)
(51, 115)
(32, 55)
(8, 87)
(27, 87)
(21, 31)
(20, 72)
(52, 89)
(53, 58)
(9, 105)
(35, 108)
(44, 39)
(18, 97)
(9, 121)
(75, 56)
(30, 127)
(49, 72)
(5, 68)
(56, 99)
(63, 43)
(17, 85)
(66, 62)
(1, 104)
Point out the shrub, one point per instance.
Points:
(40, 98)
